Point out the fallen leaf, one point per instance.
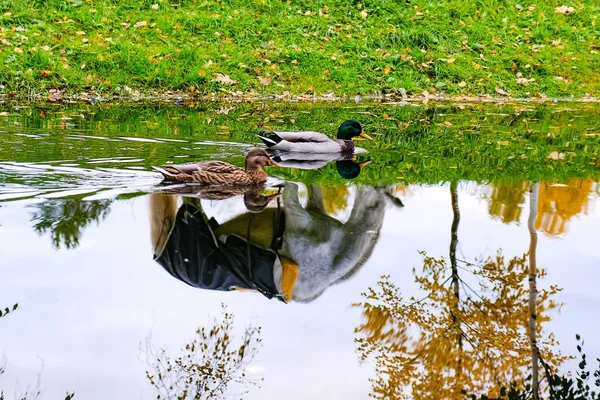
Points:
(462, 84)
(264, 80)
(45, 72)
(80, 33)
(503, 143)
(139, 24)
(225, 110)
(363, 13)
(525, 81)
(225, 79)
(476, 66)
(555, 155)
(387, 69)
(18, 50)
(451, 60)
(155, 6)
(500, 91)
(447, 123)
(564, 10)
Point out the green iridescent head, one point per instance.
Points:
(351, 129)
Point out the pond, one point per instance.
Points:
(409, 275)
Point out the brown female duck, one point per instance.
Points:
(219, 172)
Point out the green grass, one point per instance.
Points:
(427, 144)
(451, 47)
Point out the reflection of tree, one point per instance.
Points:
(456, 339)
(4, 312)
(533, 207)
(65, 219)
(210, 363)
(335, 198)
(558, 203)
(506, 200)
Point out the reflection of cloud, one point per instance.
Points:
(255, 370)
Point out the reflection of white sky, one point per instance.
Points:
(85, 312)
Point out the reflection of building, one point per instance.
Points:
(557, 203)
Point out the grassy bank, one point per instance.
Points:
(350, 47)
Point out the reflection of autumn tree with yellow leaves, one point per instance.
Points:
(335, 198)
(507, 199)
(558, 203)
(437, 347)
(456, 340)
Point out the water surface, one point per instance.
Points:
(108, 268)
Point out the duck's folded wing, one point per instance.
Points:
(218, 167)
(303, 136)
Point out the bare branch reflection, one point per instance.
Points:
(211, 365)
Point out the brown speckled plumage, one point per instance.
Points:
(219, 172)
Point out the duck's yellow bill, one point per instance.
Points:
(364, 164)
(364, 135)
(274, 164)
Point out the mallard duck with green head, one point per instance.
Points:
(315, 142)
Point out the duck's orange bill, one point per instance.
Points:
(364, 135)
(274, 164)
(364, 163)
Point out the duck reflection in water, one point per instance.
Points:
(278, 248)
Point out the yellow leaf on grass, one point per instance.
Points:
(264, 80)
(451, 60)
(476, 66)
(503, 143)
(564, 10)
(363, 13)
(224, 79)
(139, 24)
(500, 91)
(555, 155)
(155, 6)
(45, 72)
(462, 84)
(387, 69)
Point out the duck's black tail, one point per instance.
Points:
(269, 138)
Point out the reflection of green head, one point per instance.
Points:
(349, 169)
